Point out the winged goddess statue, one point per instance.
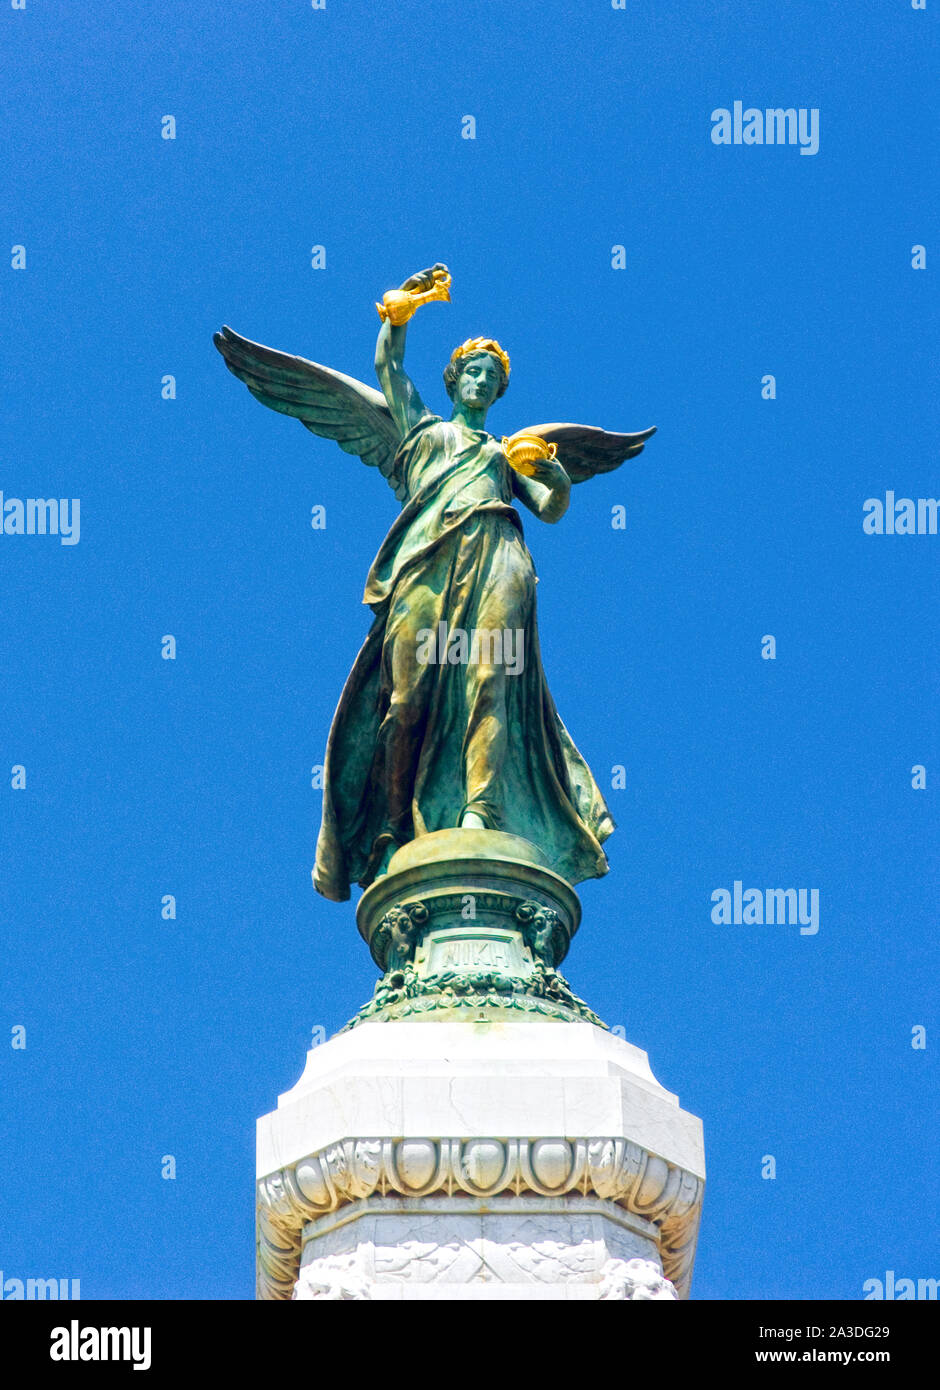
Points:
(446, 719)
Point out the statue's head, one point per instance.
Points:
(477, 373)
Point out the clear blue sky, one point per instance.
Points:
(147, 777)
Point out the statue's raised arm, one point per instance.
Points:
(396, 309)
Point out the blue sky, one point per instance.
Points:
(146, 777)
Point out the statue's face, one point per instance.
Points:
(479, 381)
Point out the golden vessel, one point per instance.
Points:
(523, 450)
(398, 306)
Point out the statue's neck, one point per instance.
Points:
(473, 419)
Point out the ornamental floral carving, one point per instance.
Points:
(615, 1169)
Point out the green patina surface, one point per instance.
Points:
(401, 993)
(446, 719)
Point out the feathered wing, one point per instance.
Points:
(326, 401)
(584, 450)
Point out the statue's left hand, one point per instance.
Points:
(549, 472)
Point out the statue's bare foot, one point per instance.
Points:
(472, 821)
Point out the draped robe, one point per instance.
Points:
(415, 743)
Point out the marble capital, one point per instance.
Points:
(491, 1110)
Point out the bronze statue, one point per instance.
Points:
(446, 719)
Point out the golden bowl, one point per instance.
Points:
(524, 450)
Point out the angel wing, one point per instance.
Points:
(584, 450)
(327, 402)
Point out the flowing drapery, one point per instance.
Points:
(417, 739)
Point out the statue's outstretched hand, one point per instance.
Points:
(398, 306)
(425, 279)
